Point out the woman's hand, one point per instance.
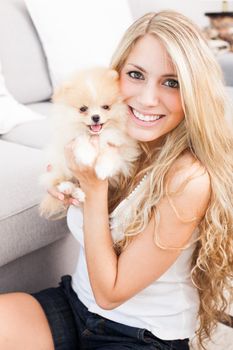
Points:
(66, 199)
(54, 192)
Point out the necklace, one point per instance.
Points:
(135, 190)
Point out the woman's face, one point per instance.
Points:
(150, 88)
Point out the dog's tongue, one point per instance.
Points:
(96, 128)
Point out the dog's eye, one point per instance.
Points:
(106, 107)
(83, 109)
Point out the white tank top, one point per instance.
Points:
(168, 307)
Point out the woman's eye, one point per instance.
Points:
(107, 107)
(135, 75)
(172, 83)
(83, 109)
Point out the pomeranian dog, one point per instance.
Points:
(87, 105)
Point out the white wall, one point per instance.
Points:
(194, 9)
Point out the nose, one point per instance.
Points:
(95, 118)
(149, 96)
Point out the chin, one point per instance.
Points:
(89, 104)
(139, 134)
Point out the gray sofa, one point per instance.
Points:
(34, 252)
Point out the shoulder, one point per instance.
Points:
(188, 185)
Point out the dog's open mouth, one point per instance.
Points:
(95, 128)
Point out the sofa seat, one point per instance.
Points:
(34, 134)
(22, 229)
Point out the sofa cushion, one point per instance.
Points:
(22, 229)
(42, 268)
(226, 62)
(12, 112)
(23, 61)
(78, 34)
(34, 134)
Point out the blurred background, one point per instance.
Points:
(195, 9)
(215, 17)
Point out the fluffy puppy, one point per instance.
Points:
(87, 105)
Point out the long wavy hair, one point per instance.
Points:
(206, 134)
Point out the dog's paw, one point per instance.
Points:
(79, 194)
(103, 172)
(85, 154)
(66, 187)
(108, 165)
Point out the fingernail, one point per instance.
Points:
(75, 202)
(61, 197)
(49, 167)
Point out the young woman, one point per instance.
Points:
(159, 267)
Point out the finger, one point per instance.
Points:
(49, 167)
(75, 202)
(67, 200)
(56, 194)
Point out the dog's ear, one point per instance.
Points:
(114, 74)
(60, 93)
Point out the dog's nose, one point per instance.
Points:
(95, 118)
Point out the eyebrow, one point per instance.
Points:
(144, 71)
(138, 67)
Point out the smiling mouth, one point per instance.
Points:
(95, 128)
(146, 117)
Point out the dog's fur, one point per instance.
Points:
(91, 98)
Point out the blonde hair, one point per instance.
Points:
(205, 133)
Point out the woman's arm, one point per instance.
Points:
(116, 279)
(102, 261)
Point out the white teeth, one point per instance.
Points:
(146, 118)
